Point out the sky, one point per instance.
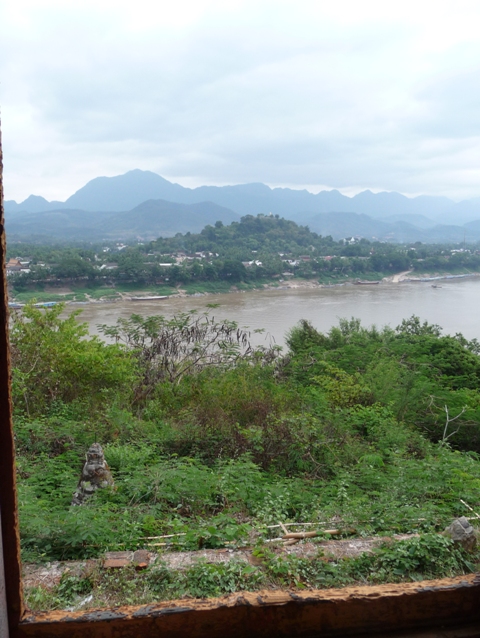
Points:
(306, 94)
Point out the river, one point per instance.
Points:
(454, 305)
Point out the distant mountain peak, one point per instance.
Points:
(35, 199)
(124, 192)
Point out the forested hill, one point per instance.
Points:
(253, 251)
(266, 234)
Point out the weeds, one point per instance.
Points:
(419, 558)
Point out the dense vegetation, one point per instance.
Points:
(212, 441)
(249, 252)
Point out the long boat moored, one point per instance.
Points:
(361, 282)
(150, 298)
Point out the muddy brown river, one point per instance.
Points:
(454, 305)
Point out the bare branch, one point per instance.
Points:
(169, 349)
(450, 420)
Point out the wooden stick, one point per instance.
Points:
(326, 522)
(368, 521)
(470, 508)
(291, 541)
(150, 538)
(300, 535)
(296, 524)
(284, 529)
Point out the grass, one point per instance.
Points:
(336, 277)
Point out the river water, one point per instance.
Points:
(454, 305)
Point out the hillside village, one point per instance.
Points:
(254, 251)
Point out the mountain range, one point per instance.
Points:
(144, 205)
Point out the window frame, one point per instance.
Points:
(353, 610)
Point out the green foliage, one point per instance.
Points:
(414, 370)
(209, 447)
(167, 350)
(420, 558)
(427, 556)
(204, 580)
(70, 587)
(267, 244)
(389, 483)
(341, 389)
(53, 360)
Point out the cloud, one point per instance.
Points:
(350, 95)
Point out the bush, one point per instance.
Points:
(53, 361)
(423, 557)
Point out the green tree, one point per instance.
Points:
(233, 270)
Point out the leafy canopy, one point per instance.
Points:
(55, 359)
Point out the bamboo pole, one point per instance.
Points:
(153, 538)
(470, 508)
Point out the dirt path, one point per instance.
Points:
(400, 276)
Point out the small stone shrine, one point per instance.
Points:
(95, 474)
(462, 533)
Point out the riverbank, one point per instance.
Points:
(82, 296)
(125, 292)
(423, 277)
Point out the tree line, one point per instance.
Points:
(253, 250)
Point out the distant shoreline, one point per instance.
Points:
(299, 284)
(295, 284)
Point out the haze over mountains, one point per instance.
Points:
(141, 204)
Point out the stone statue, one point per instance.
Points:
(95, 474)
(462, 533)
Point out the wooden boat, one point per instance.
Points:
(149, 298)
(41, 304)
(362, 282)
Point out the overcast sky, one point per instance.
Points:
(323, 94)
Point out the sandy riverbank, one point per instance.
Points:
(287, 284)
